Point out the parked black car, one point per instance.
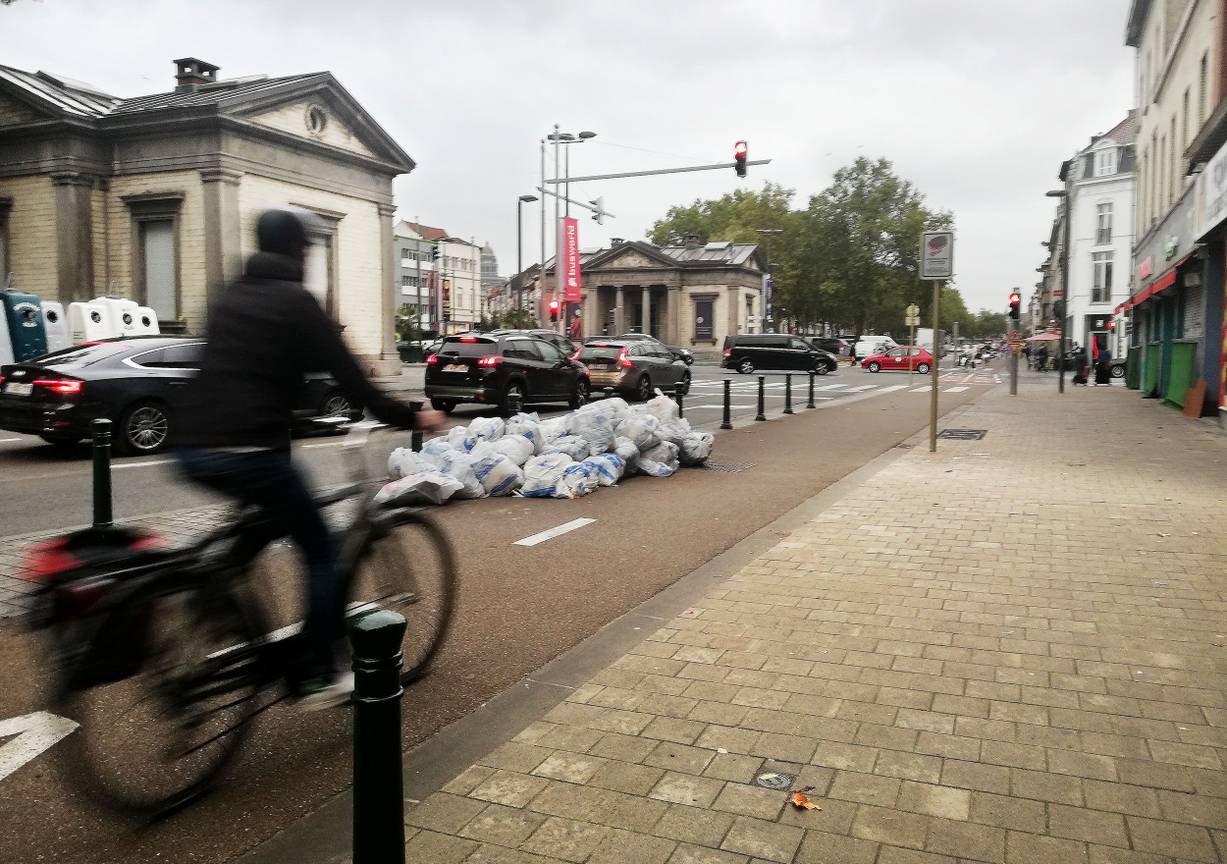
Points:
(633, 368)
(562, 343)
(746, 353)
(137, 383)
(680, 353)
(503, 370)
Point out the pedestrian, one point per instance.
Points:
(576, 326)
(1103, 368)
(1080, 368)
(1043, 358)
(852, 350)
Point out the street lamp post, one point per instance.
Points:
(523, 199)
(768, 317)
(559, 138)
(1063, 194)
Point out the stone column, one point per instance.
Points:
(389, 359)
(619, 298)
(645, 312)
(74, 237)
(222, 229)
(673, 297)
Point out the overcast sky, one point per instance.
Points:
(975, 101)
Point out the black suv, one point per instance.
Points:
(562, 343)
(503, 370)
(775, 351)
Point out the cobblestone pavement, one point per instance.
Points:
(1012, 651)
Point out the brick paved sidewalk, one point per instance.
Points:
(1013, 651)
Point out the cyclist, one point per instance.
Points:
(264, 332)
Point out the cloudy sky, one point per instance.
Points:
(975, 101)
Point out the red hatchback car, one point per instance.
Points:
(903, 357)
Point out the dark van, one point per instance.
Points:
(747, 353)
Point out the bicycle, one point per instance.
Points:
(183, 634)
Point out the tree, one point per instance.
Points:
(988, 325)
(734, 217)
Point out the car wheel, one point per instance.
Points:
(643, 389)
(1118, 371)
(335, 405)
(922, 368)
(447, 406)
(874, 367)
(580, 396)
(745, 367)
(821, 369)
(513, 399)
(145, 429)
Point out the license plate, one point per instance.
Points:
(18, 388)
(456, 367)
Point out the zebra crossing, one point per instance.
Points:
(948, 384)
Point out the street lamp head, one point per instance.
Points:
(1055, 193)
(528, 198)
(584, 136)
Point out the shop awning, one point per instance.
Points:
(1162, 283)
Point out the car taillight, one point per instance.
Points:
(728, 352)
(623, 362)
(490, 361)
(432, 359)
(63, 387)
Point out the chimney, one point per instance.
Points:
(615, 241)
(190, 73)
(693, 241)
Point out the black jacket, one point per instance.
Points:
(264, 333)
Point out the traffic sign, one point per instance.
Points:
(1015, 336)
(912, 321)
(913, 311)
(936, 254)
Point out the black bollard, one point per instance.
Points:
(379, 796)
(727, 421)
(681, 403)
(415, 437)
(810, 403)
(101, 430)
(788, 394)
(762, 403)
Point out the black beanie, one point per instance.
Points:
(282, 233)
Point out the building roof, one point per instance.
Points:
(426, 232)
(1124, 132)
(1133, 25)
(719, 253)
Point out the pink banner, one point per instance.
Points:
(570, 260)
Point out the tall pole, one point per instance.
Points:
(519, 255)
(541, 269)
(557, 230)
(937, 302)
(567, 184)
(1064, 295)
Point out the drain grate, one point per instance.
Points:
(728, 467)
(963, 434)
(774, 779)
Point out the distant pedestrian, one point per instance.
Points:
(852, 350)
(1043, 358)
(1080, 368)
(1103, 368)
(576, 326)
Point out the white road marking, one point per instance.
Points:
(10, 440)
(893, 387)
(831, 387)
(35, 733)
(954, 389)
(924, 389)
(329, 444)
(556, 531)
(118, 466)
(862, 387)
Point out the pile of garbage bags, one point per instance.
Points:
(563, 457)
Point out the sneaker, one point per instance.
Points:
(317, 694)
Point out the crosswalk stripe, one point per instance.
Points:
(923, 389)
(831, 387)
(954, 389)
(862, 387)
(893, 388)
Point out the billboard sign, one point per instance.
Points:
(573, 291)
(937, 255)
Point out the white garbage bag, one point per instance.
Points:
(435, 450)
(625, 448)
(497, 474)
(579, 479)
(553, 428)
(457, 437)
(426, 487)
(675, 430)
(543, 473)
(403, 462)
(485, 429)
(596, 429)
(661, 407)
(658, 461)
(609, 468)
(696, 448)
(572, 445)
(613, 409)
(641, 429)
(527, 425)
(517, 448)
(459, 466)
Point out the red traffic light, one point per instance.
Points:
(740, 149)
(1111, 324)
(1015, 297)
(553, 304)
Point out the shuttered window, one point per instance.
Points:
(158, 255)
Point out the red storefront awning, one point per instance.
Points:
(1167, 280)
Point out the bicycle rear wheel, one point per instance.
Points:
(155, 740)
(408, 567)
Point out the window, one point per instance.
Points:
(1103, 224)
(1105, 161)
(1176, 172)
(1184, 122)
(5, 205)
(1201, 89)
(797, 345)
(1160, 197)
(704, 325)
(406, 281)
(174, 357)
(155, 265)
(1101, 280)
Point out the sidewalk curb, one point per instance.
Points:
(326, 832)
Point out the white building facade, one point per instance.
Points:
(1102, 183)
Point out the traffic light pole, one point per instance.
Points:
(1014, 324)
(937, 303)
(721, 166)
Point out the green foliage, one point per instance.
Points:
(988, 325)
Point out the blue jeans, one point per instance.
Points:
(268, 480)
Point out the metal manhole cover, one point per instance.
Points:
(774, 780)
(728, 467)
(963, 434)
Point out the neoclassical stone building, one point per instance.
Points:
(156, 197)
(692, 295)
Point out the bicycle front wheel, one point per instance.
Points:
(154, 735)
(408, 567)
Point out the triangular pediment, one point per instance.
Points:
(13, 112)
(316, 119)
(628, 256)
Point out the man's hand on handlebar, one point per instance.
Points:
(428, 420)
